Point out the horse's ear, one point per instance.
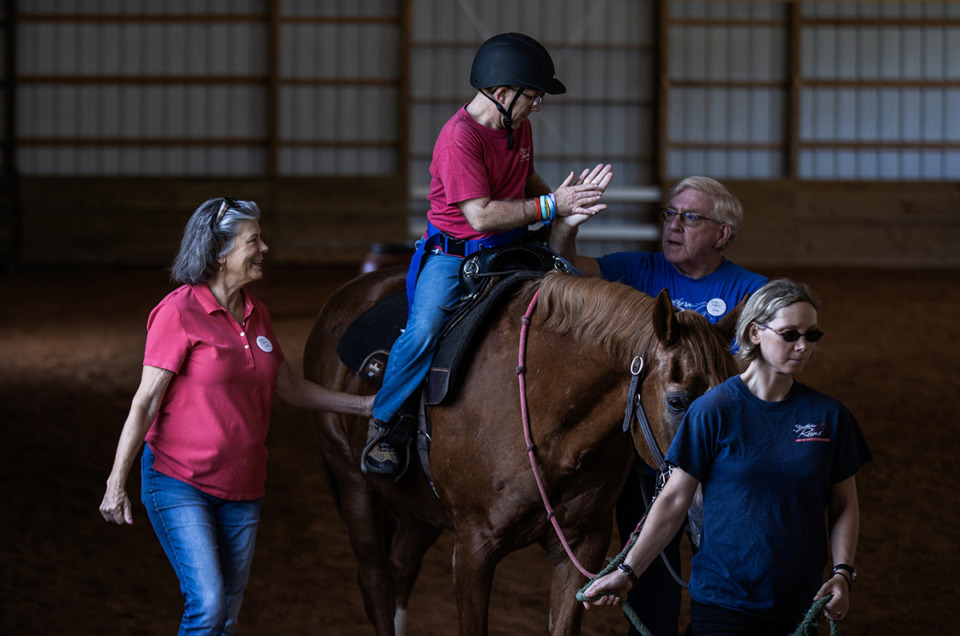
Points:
(728, 324)
(665, 323)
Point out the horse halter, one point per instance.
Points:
(635, 407)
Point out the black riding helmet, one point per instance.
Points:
(513, 59)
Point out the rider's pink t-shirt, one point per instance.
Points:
(212, 426)
(471, 161)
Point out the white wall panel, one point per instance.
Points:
(727, 84)
(141, 111)
(888, 90)
(141, 7)
(340, 51)
(892, 91)
(90, 83)
(303, 162)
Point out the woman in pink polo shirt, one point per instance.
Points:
(211, 368)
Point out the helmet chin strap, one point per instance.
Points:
(507, 117)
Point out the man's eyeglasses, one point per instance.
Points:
(534, 99)
(228, 202)
(792, 335)
(689, 219)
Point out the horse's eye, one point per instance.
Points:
(677, 404)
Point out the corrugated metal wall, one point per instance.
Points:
(727, 96)
(209, 88)
(880, 96)
(262, 90)
(758, 90)
(816, 90)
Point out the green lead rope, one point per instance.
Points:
(809, 620)
(611, 566)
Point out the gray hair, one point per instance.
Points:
(726, 208)
(762, 307)
(207, 237)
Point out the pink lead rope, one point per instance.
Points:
(531, 448)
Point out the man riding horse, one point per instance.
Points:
(484, 192)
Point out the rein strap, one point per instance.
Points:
(531, 447)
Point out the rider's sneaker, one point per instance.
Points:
(380, 459)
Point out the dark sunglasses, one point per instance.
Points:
(792, 335)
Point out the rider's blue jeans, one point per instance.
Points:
(209, 542)
(412, 353)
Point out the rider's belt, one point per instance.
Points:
(450, 245)
(464, 247)
(433, 237)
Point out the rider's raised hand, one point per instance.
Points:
(600, 175)
(582, 196)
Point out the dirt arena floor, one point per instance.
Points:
(70, 353)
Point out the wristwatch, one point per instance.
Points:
(626, 569)
(846, 568)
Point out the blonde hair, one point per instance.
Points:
(762, 307)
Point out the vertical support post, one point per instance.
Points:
(273, 88)
(661, 117)
(10, 174)
(792, 147)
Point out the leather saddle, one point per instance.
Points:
(487, 278)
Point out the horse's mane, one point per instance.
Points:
(614, 315)
(618, 318)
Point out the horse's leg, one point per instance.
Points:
(411, 541)
(366, 520)
(566, 613)
(474, 564)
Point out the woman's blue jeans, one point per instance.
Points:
(209, 542)
(438, 286)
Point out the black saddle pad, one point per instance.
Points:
(365, 345)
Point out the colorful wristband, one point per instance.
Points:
(543, 205)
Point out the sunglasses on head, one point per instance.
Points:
(792, 335)
(228, 202)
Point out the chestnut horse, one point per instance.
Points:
(583, 336)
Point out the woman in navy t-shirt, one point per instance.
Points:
(772, 456)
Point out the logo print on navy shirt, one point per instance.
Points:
(811, 432)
